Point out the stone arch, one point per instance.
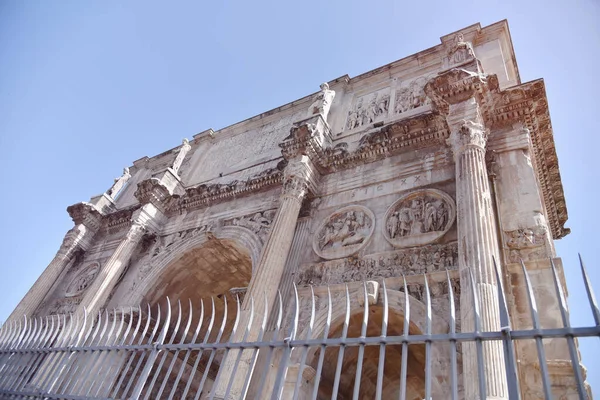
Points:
(243, 239)
(397, 309)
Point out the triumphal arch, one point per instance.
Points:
(437, 164)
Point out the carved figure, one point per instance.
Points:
(322, 102)
(376, 108)
(422, 215)
(411, 97)
(181, 155)
(411, 261)
(82, 280)
(345, 230)
(418, 218)
(119, 183)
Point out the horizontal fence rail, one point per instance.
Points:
(224, 348)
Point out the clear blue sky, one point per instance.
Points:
(88, 87)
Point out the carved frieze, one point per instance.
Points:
(65, 305)
(368, 109)
(259, 223)
(526, 244)
(163, 243)
(418, 260)
(411, 95)
(82, 280)
(344, 232)
(419, 218)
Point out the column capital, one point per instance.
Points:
(309, 137)
(86, 214)
(153, 191)
(470, 134)
(299, 178)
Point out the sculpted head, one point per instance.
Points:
(324, 86)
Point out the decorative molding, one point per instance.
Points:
(413, 261)
(259, 223)
(153, 191)
(344, 232)
(418, 218)
(86, 214)
(470, 134)
(207, 194)
(369, 109)
(165, 242)
(527, 103)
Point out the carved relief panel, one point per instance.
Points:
(368, 109)
(526, 244)
(82, 280)
(344, 232)
(411, 95)
(73, 293)
(413, 261)
(419, 218)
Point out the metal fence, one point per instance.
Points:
(175, 351)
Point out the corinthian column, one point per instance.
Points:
(298, 177)
(87, 221)
(477, 244)
(98, 292)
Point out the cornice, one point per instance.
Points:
(204, 195)
(528, 104)
(85, 213)
(525, 103)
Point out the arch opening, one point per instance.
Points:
(415, 380)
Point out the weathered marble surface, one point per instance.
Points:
(435, 162)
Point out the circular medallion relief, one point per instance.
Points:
(82, 280)
(419, 218)
(344, 232)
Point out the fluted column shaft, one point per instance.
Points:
(269, 272)
(100, 289)
(72, 243)
(477, 246)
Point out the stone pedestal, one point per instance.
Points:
(477, 245)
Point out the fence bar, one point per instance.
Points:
(174, 357)
(405, 332)
(478, 343)
(255, 350)
(590, 292)
(189, 351)
(510, 361)
(451, 338)
(141, 382)
(143, 354)
(538, 340)
(570, 340)
(206, 336)
(281, 373)
(428, 342)
(267, 364)
(384, 326)
(340, 360)
(305, 348)
(114, 357)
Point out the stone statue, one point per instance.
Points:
(185, 147)
(119, 183)
(322, 102)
